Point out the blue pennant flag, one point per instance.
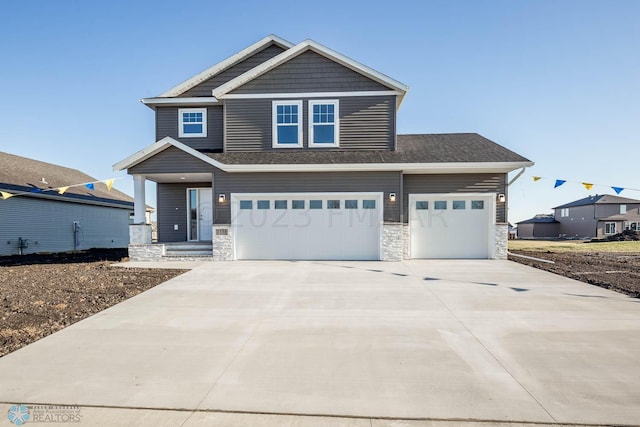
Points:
(618, 190)
(36, 190)
(90, 186)
(559, 182)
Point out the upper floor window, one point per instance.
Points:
(287, 124)
(564, 212)
(623, 209)
(192, 122)
(323, 123)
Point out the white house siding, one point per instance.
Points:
(48, 225)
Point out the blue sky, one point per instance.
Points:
(556, 81)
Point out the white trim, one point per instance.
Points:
(223, 65)
(336, 122)
(203, 100)
(491, 198)
(274, 124)
(320, 49)
(307, 94)
(181, 124)
(615, 228)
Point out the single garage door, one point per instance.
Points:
(452, 225)
(292, 226)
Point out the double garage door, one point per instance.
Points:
(452, 225)
(293, 226)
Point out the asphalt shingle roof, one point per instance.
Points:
(598, 199)
(21, 174)
(422, 148)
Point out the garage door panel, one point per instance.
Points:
(315, 234)
(451, 225)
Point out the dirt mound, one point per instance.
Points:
(625, 236)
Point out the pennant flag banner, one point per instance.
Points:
(618, 190)
(61, 190)
(587, 185)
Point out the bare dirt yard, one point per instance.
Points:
(41, 294)
(611, 265)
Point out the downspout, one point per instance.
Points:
(517, 176)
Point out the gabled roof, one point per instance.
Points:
(540, 219)
(223, 65)
(20, 174)
(431, 153)
(300, 48)
(598, 199)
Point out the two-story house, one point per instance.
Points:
(290, 152)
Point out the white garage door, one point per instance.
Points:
(452, 225)
(292, 226)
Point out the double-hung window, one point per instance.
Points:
(192, 122)
(287, 124)
(323, 123)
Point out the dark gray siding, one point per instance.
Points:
(538, 230)
(456, 183)
(309, 72)
(606, 210)
(171, 160)
(581, 221)
(172, 210)
(366, 122)
(167, 125)
(205, 88)
(313, 182)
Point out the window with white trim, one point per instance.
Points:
(564, 212)
(323, 123)
(623, 209)
(192, 122)
(609, 228)
(287, 124)
(633, 226)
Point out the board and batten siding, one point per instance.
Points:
(170, 160)
(309, 72)
(167, 123)
(172, 210)
(299, 182)
(366, 122)
(456, 183)
(205, 88)
(48, 225)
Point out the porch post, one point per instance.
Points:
(139, 200)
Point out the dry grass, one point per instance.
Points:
(573, 246)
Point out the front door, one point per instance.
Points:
(200, 214)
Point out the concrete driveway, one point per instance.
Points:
(417, 340)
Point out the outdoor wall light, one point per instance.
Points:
(392, 197)
(502, 198)
(221, 198)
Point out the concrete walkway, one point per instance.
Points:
(363, 342)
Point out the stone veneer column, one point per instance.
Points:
(392, 242)
(502, 241)
(222, 243)
(405, 241)
(140, 234)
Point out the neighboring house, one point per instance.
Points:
(598, 216)
(44, 221)
(541, 226)
(289, 151)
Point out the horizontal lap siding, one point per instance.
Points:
(309, 72)
(171, 160)
(366, 122)
(167, 125)
(456, 183)
(205, 88)
(48, 225)
(306, 183)
(172, 209)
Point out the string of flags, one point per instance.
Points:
(60, 190)
(587, 185)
